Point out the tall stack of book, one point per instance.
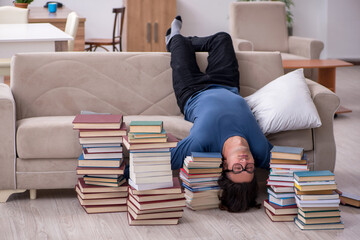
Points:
(155, 198)
(149, 155)
(317, 202)
(102, 187)
(281, 205)
(162, 206)
(199, 176)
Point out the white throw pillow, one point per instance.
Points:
(284, 104)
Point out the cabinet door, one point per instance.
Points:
(138, 25)
(163, 12)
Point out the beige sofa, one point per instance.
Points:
(39, 148)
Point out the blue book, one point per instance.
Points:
(200, 189)
(308, 176)
(285, 152)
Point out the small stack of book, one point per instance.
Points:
(101, 163)
(199, 176)
(149, 155)
(317, 202)
(281, 205)
(156, 206)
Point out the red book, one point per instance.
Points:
(105, 208)
(280, 218)
(157, 204)
(278, 210)
(171, 143)
(143, 222)
(97, 121)
(155, 210)
(102, 201)
(118, 194)
(85, 188)
(100, 170)
(103, 132)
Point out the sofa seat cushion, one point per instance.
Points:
(296, 138)
(47, 137)
(54, 137)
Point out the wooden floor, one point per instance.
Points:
(56, 214)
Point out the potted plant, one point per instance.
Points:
(22, 3)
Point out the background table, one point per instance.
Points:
(36, 37)
(327, 72)
(58, 19)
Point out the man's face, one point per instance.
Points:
(239, 158)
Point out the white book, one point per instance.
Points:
(281, 195)
(150, 168)
(104, 149)
(318, 197)
(149, 154)
(153, 179)
(149, 174)
(314, 183)
(321, 201)
(150, 150)
(282, 201)
(142, 187)
(282, 189)
(288, 166)
(150, 159)
(280, 178)
(101, 145)
(165, 162)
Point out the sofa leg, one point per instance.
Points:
(32, 194)
(5, 194)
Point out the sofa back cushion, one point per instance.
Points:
(63, 84)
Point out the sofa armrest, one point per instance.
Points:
(242, 45)
(306, 47)
(326, 103)
(7, 139)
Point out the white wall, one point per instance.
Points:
(332, 21)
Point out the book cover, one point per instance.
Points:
(206, 156)
(161, 215)
(281, 195)
(202, 170)
(158, 197)
(282, 201)
(100, 170)
(146, 135)
(200, 175)
(157, 204)
(146, 222)
(103, 132)
(280, 210)
(97, 121)
(99, 155)
(316, 187)
(175, 189)
(100, 194)
(148, 140)
(171, 143)
(150, 186)
(325, 175)
(100, 140)
(102, 201)
(280, 218)
(322, 226)
(350, 199)
(286, 152)
(146, 126)
(84, 188)
(105, 208)
(312, 214)
(155, 210)
(282, 189)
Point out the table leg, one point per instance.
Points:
(327, 78)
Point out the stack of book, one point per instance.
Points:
(281, 205)
(157, 206)
(199, 176)
(149, 155)
(103, 187)
(317, 202)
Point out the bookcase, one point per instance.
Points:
(146, 22)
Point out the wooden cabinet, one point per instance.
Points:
(146, 22)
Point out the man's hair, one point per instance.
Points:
(237, 197)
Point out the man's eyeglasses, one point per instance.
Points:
(238, 168)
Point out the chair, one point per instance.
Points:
(94, 43)
(261, 26)
(13, 15)
(71, 27)
(10, 15)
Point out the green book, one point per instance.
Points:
(146, 126)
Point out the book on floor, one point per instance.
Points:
(280, 218)
(141, 222)
(100, 194)
(279, 210)
(158, 215)
(327, 226)
(286, 152)
(317, 214)
(155, 210)
(105, 208)
(97, 121)
(146, 126)
(350, 199)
